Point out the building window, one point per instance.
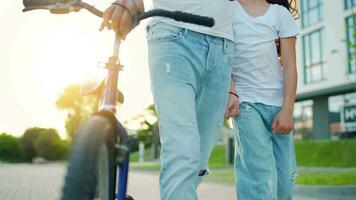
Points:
(313, 56)
(303, 120)
(349, 4)
(351, 42)
(312, 12)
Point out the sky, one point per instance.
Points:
(42, 53)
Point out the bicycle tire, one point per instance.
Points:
(81, 181)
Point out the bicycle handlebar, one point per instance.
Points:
(176, 15)
(77, 5)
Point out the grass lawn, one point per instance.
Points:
(328, 153)
(348, 178)
(340, 153)
(226, 175)
(217, 158)
(314, 178)
(309, 178)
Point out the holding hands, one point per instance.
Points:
(233, 105)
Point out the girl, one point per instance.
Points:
(265, 164)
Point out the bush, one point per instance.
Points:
(313, 153)
(10, 149)
(27, 140)
(45, 143)
(49, 146)
(340, 153)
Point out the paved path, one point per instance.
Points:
(44, 182)
(30, 182)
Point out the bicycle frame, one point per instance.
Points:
(107, 107)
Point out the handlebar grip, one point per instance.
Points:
(179, 16)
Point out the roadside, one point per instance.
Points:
(44, 182)
(313, 183)
(306, 175)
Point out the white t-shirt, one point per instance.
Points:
(257, 72)
(220, 10)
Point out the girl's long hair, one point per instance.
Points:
(291, 5)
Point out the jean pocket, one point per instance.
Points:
(161, 32)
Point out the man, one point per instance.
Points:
(190, 70)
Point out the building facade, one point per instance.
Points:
(326, 67)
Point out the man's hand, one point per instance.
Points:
(120, 16)
(283, 123)
(233, 106)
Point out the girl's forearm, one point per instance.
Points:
(288, 55)
(290, 87)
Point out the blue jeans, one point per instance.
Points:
(190, 76)
(265, 164)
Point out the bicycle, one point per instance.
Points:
(99, 162)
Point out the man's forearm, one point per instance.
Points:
(232, 85)
(119, 16)
(138, 5)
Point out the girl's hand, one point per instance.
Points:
(232, 108)
(283, 123)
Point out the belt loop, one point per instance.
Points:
(206, 37)
(185, 32)
(228, 46)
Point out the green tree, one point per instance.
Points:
(78, 107)
(148, 131)
(27, 140)
(45, 143)
(49, 145)
(148, 125)
(10, 149)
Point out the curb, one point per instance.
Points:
(317, 190)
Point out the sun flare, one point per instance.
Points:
(45, 53)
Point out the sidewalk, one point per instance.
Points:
(326, 192)
(44, 182)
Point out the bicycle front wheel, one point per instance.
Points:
(92, 171)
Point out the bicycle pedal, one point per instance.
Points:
(122, 151)
(128, 197)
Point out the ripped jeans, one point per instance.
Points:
(190, 78)
(265, 163)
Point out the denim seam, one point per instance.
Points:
(240, 148)
(206, 67)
